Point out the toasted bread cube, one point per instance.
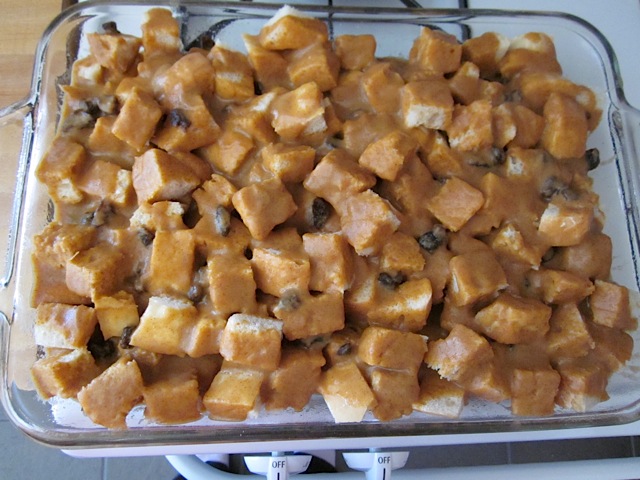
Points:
(486, 51)
(503, 124)
(270, 67)
(386, 386)
(455, 203)
(160, 33)
(566, 127)
(171, 265)
(288, 29)
(331, 261)
(488, 382)
(158, 175)
(252, 341)
(165, 325)
(229, 152)
(290, 163)
(428, 103)
(583, 384)
(529, 127)
(367, 222)
(137, 119)
(50, 283)
(564, 224)
(385, 157)
(306, 316)
(87, 72)
(591, 258)
(405, 308)
(217, 191)
(436, 51)
(459, 354)
(314, 63)
(401, 253)
(568, 335)
(233, 75)
(355, 51)
(108, 181)
(114, 51)
(158, 216)
(475, 276)
(299, 112)
(442, 160)
(232, 287)
(613, 347)
(533, 51)
(470, 128)
(512, 320)
(337, 177)
(59, 242)
(190, 74)
(610, 306)
(510, 243)
(173, 399)
(557, 286)
(439, 396)
(233, 393)
(253, 117)
(115, 312)
(276, 271)
(64, 374)
(263, 205)
(295, 380)
(104, 141)
(60, 168)
(95, 271)
(382, 347)
(346, 392)
(205, 336)
(110, 397)
(533, 392)
(381, 86)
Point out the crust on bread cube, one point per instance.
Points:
(475, 276)
(331, 261)
(264, 205)
(533, 392)
(60, 167)
(488, 381)
(404, 308)
(455, 203)
(294, 381)
(233, 392)
(290, 29)
(565, 127)
(276, 271)
(216, 191)
(315, 63)
(174, 398)
(233, 75)
(57, 243)
(568, 335)
(610, 306)
(165, 325)
(355, 51)
(436, 51)
(63, 374)
(232, 287)
(530, 52)
(393, 349)
(190, 74)
(439, 396)
(116, 312)
(386, 386)
(346, 392)
(137, 120)
(290, 163)
(305, 316)
(470, 129)
(253, 117)
(160, 33)
(510, 319)
(171, 265)
(427, 103)
(564, 223)
(64, 326)
(252, 341)
(385, 157)
(110, 397)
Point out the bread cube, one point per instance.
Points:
(232, 287)
(512, 320)
(470, 128)
(486, 51)
(591, 258)
(190, 74)
(288, 29)
(108, 181)
(557, 286)
(64, 326)
(533, 51)
(165, 325)
(104, 141)
(160, 33)
(331, 261)
(294, 381)
(229, 152)
(137, 119)
(355, 51)
(233, 393)
(253, 117)
(97, 270)
(404, 308)
(509, 243)
(465, 83)
(58, 243)
(157, 176)
(60, 168)
(305, 316)
(457, 356)
(439, 396)
(63, 374)
(385, 157)
(428, 103)
(299, 112)
(114, 51)
(568, 335)
(158, 216)
(110, 397)
(174, 398)
(489, 382)
(564, 224)
(338, 176)
(443, 162)
(276, 271)
(386, 386)
(263, 205)
(367, 222)
(171, 265)
(365, 128)
(613, 347)
(216, 191)
(290, 163)
(205, 336)
(346, 392)
(315, 63)
(401, 253)
(533, 392)
(270, 67)
(565, 127)
(50, 284)
(610, 306)
(452, 315)
(475, 276)
(381, 86)
(252, 341)
(583, 384)
(233, 75)
(436, 51)
(116, 312)
(455, 203)
(382, 347)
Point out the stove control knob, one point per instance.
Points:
(278, 466)
(376, 465)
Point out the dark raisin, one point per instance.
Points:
(498, 155)
(432, 239)
(40, 352)
(100, 348)
(549, 254)
(320, 212)
(592, 156)
(125, 338)
(177, 118)
(552, 186)
(257, 88)
(145, 236)
(391, 281)
(248, 253)
(289, 301)
(344, 349)
(195, 293)
(513, 96)
(222, 221)
(110, 28)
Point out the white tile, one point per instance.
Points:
(145, 468)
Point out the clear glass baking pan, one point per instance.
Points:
(27, 128)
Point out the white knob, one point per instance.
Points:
(376, 465)
(277, 467)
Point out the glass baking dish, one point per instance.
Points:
(27, 128)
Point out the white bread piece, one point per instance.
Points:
(346, 392)
(64, 326)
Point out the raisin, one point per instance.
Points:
(177, 118)
(432, 239)
(145, 236)
(222, 221)
(111, 28)
(195, 293)
(248, 253)
(344, 349)
(592, 156)
(320, 212)
(125, 338)
(549, 254)
(289, 301)
(391, 281)
(100, 348)
(553, 186)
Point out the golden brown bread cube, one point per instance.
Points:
(218, 190)
(115, 312)
(108, 181)
(59, 242)
(558, 286)
(566, 127)
(171, 263)
(63, 374)
(381, 85)
(252, 341)
(428, 103)
(405, 307)
(355, 51)
(97, 270)
(158, 216)
(568, 335)
(486, 51)
(386, 386)
(174, 398)
(59, 169)
(263, 205)
(610, 306)
(331, 261)
(270, 67)
(294, 381)
(510, 319)
(564, 223)
(475, 276)
(205, 336)
(386, 348)
(137, 119)
(613, 347)
(299, 112)
(583, 384)
(533, 392)
(288, 29)
(439, 396)
(114, 51)
(386, 156)
(591, 258)
(160, 33)
(233, 75)
(190, 74)
(346, 392)
(304, 315)
(110, 397)
(488, 381)
(401, 253)
(532, 51)
(229, 152)
(442, 160)
(50, 283)
(470, 128)
(233, 393)
(510, 243)
(455, 203)
(315, 63)
(436, 51)
(232, 287)
(290, 163)
(276, 271)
